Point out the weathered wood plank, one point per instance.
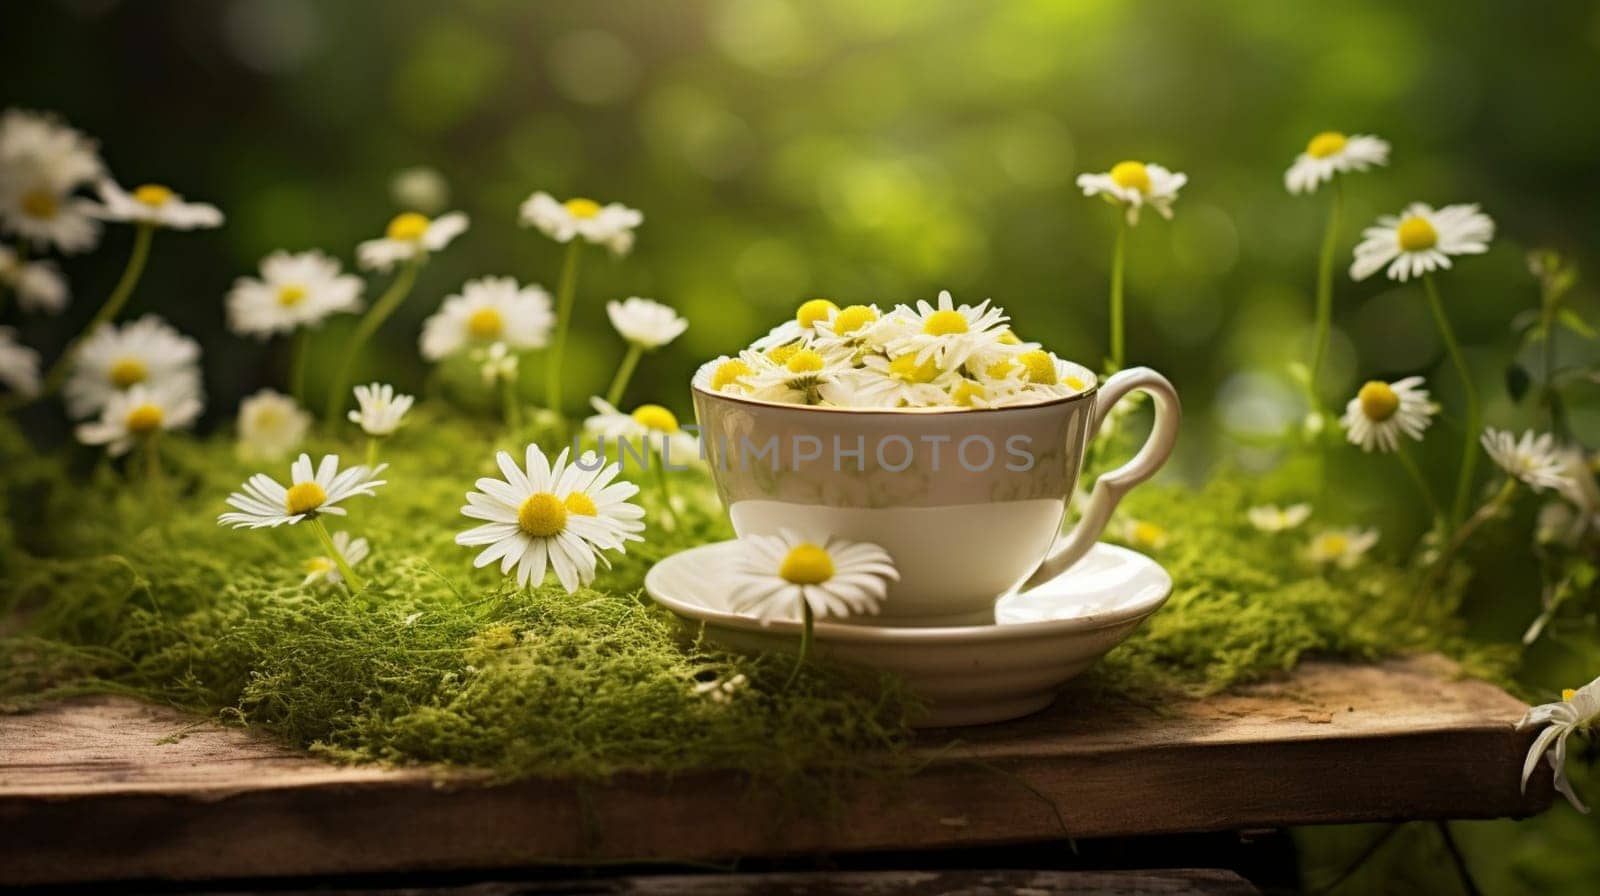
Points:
(168, 798)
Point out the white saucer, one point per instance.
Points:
(968, 675)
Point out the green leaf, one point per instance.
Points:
(1576, 324)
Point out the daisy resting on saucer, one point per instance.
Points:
(785, 576)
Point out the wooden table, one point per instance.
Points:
(108, 788)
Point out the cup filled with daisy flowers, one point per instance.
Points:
(932, 431)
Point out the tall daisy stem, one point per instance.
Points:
(1474, 419)
(120, 294)
(1490, 509)
(351, 580)
(372, 452)
(808, 622)
(619, 383)
(564, 294)
(1415, 472)
(666, 492)
(1324, 310)
(1119, 258)
(370, 322)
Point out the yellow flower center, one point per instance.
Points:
(153, 195)
(1040, 366)
(305, 497)
(542, 515)
(486, 323)
(292, 295)
(811, 312)
(728, 373)
(806, 564)
(804, 361)
(1131, 176)
(1326, 144)
(1008, 338)
(1074, 382)
(853, 318)
(144, 419)
(318, 565)
(906, 369)
(965, 391)
(40, 204)
(782, 353)
(128, 372)
(654, 416)
(580, 504)
(582, 208)
(408, 226)
(1378, 401)
(1000, 369)
(1148, 533)
(945, 323)
(1567, 694)
(1416, 234)
(1333, 545)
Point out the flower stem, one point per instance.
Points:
(1469, 452)
(120, 294)
(1324, 311)
(666, 492)
(370, 322)
(299, 349)
(512, 403)
(153, 484)
(564, 294)
(351, 580)
(1488, 511)
(1119, 257)
(619, 383)
(808, 622)
(372, 452)
(1411, 467)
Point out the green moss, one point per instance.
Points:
(110, 586)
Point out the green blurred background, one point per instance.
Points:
(870, 151)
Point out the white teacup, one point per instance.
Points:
(968, 502)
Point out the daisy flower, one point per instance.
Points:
(420, 189)
(856, 327)
(1535, 459)
(1134, 185)
(1421, 239)
(785, 576)
(298, 290)
(947, 334)
(653, 424)
(729, 375)
(1144, 535)
(798, 328)
(486, 311)
(1272, 518)
(550, 516)
(156, 206)
(38, 284)
(410, 235)
(325, 569)
(380, 409)
(112, 358)
(901, 381)
(270, 425)
(140, 413)
(1381, 412)
(806, 376)
(1341, 547)
(606, 225)
(1577, 709)
(42, 165)
(310, 493)
(645, 323)
(1330, 153)
(19, 365)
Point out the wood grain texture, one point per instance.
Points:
(108, 788)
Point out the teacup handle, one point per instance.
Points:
(1109, 488)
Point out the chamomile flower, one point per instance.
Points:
(270, 425)
(380, 410)
(1144, 534)
(730, 375)
(140, 413)
(420, 189)
(1341, 547)
(806, 376)
(900, 381)
(1382, 412)
(112, 359)
(410, 235)
(38, 285)
(855, 327)
(1421, 239)
(324, 569)
(19, 365)
(42, 165)
(1535, 459)
(799, 328)
(545, 515)
(780, 576)
(1272, 518)
(155, 205)
(656, 426)
(948, 334)
(645, 323)
(298, 290)
(610, 225)
(1331, 153)
(264, 502)
(1577, 709)
(486, 311)
(1134, 185)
